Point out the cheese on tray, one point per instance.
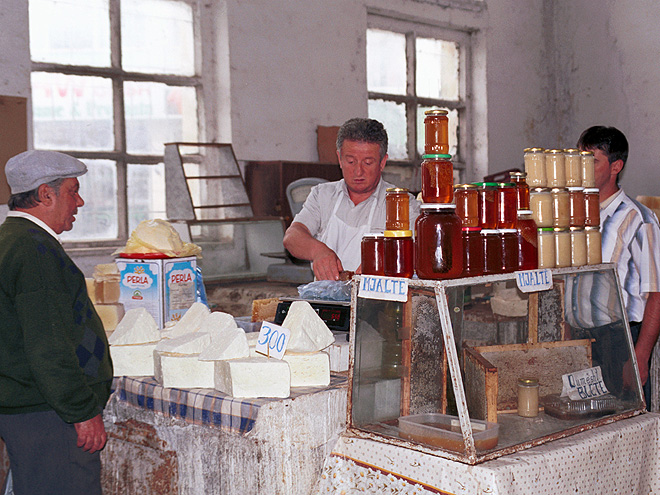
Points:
(133, 360)
(217, 322)
(253, 377)
(190, 321)
(182, 371)
(190, 343)
(231, 343)
(309, 370)
(308, 331)
(136, 327)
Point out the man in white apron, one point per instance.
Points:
(329, 229)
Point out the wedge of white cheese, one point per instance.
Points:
(136, 327)
(253, 377)
(308, 331)
(190, 343)
(231, 343)
(133, 360)
(182, 371)
(190, 322)
(216, 323)
(309, 370)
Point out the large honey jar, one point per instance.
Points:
(436, 132)
(439, 244)
(437, 179)
(372, 251)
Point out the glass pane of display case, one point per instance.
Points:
(471, 369)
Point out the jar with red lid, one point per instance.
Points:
(436, 132)
(509, 240)
(519, 179)
(488, 213)
(473, 255)
(437, 179)
(492, 251)
(397, 216)
(506, 205)
(577, 207)
(527, 241)
(591, 207)
(466, 197)
(439, 245)
(398, 250)
(372, 250)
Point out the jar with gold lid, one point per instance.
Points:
(561, 207)
(573, 165)
(540, 202)
(437, 179)
(578, 246)
(577, 206)
(398, 251)
(562, 247)
(528, 397)
(372, 253)
(535, 167)
(436, 132)
(546, 247)
(594, 247)
(522, 189)
(591, 207)
(555, 168)
(506, 205)
(588, 171)
(466, 197)
(439, 250)
(396, 209)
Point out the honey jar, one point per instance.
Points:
(506, 205)
(535, 167)
(487, 204)
(372, 250)
(540, 202)
(527, 242)
(594, 248)
(466, 197)
(588, 172)
(528, 397)
(436, 132)
(573, 165)
(439, 250)
(396, 209)
(492, 251)
(437, 179)
(555, 168)
(561, 208)
(577, 206)
(546, 247)
(522, 189)
(509, 241)
(473, 256)
(591, 207)
(562, 247)
(578, 246)
(398, 254)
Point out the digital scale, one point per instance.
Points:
(335, 314)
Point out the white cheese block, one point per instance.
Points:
(133, 360)
(339, 352)
(136, 327)
(182, 371)
(217, 322)
(308, 331)
(253, 377)
(309, 370)
(190, 321)
(231, 343)
(190, 343)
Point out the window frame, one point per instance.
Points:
(413, 30)
(118, 76)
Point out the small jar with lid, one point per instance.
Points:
(594, 247)
(562, 247)
(492, 251)
(473, 256)
(546, 247)
(573, 165)
(561, 208)
(591, 207)
(372, 253)
(439, 253)
(577, 206)
(527, 242)
(437, 179)
(535, 167)
(397, 216)
(487, 204)
(555, 168)
(588, 171)
(522, 189)
(528, 397)
(540, 202)
(578, 246)
(509, 240)
(398, 251)
(506, 205)
(466, 197)
(436, 132)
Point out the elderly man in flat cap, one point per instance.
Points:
(55, 367)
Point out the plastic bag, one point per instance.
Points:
(326, 290)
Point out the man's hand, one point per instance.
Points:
(301, 244)
(91, 434)
(327, 265)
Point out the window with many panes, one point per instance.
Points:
(411, 68)
(112, 81)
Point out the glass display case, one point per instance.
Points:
(475, 368)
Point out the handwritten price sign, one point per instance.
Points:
(273, 340)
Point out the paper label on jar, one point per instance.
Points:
(584, 384)
(534, 280)
(386, 288)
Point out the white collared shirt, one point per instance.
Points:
(33, 219)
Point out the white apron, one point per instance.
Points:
(344, 239)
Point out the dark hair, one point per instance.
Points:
(364, 131)
(30, 199)
(609, 140)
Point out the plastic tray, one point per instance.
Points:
(564, 408)
(444, 431)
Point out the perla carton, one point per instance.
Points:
(166, 288)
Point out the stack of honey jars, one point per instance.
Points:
(565, 206)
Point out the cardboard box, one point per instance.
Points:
(166, 288)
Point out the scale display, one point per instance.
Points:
(336, 315)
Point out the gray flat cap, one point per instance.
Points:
(30, 169)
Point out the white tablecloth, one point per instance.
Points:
(622, 457)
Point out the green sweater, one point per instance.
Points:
(54, 353)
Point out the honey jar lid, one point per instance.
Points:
(398, 233)
(556, 190)
(524, 212)
(559, 230)
(576, 229)
(437, 206)
(591, 190)
(554, 151)
(518, 174)
(506, 184)
(592, 228)
(435, 157)
(436, 112)
(372, 235)
(528, 381)
(465, 186)
(396, 189)
(508, 231)
(586, 153)
(485, 184)
(575, 188)
(534, 150)
(489, 231)
(572, 151)
(540, 190)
